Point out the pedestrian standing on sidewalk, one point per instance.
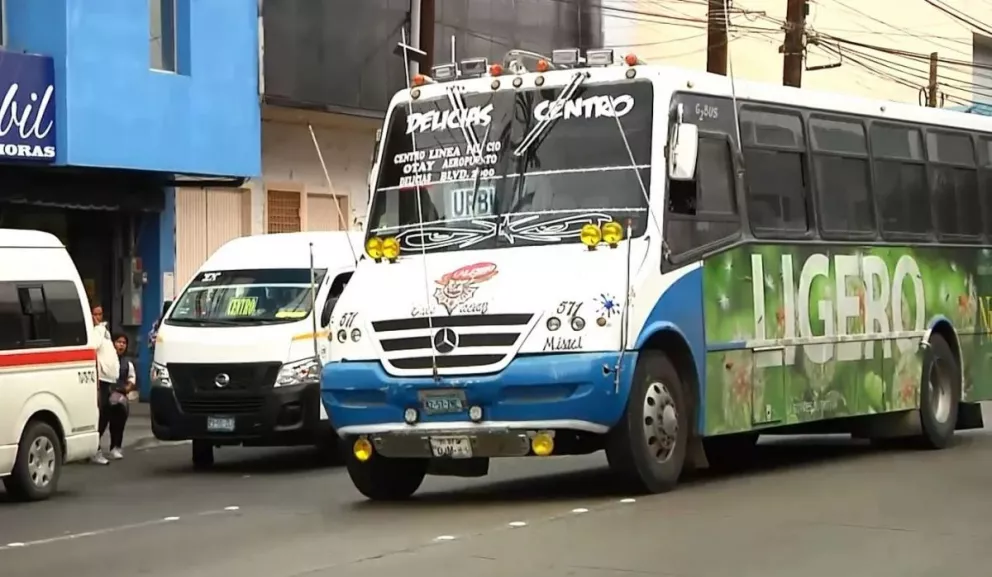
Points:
(107, 372)
(119, 407)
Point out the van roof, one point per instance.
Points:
(14, 238)
(287, 250)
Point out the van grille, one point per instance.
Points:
(470, 342)
(196, 389)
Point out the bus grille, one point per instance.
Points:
(459, 343)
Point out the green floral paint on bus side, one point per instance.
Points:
(768, 295)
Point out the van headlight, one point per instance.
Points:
(305, 372)
(160, 376)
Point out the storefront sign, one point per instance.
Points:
(27, 107)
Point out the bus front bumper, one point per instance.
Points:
(544, 393)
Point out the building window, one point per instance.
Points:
(283, 208)
(162, 34)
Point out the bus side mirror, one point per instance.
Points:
(683, 151)
(325, 315)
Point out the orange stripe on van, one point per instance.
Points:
(33, 358)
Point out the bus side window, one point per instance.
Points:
(337, 289)
(703, 211)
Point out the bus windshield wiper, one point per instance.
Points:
(535, 133)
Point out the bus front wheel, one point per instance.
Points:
(647, 447)
(386, 479)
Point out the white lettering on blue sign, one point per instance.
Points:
(28, 117)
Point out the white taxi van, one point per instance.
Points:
(48, 388)
(238, 355)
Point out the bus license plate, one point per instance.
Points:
(220, 424)
(442, 402)
(452, 447)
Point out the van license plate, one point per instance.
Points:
(452, 447)
(220, 424)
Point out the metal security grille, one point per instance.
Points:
(283, 211)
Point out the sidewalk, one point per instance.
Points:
(138, 434)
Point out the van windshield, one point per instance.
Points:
(246, 297)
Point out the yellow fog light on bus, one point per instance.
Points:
(362, 449)
(612, 233)
(390, 248)
(373, 247)
(542, 444)
(590, 235)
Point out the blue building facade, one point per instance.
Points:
(105, 107)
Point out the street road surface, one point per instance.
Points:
(810, 508)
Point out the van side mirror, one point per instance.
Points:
(683, 151)
(165, 307)
(325, 315)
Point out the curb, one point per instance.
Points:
(150, 442)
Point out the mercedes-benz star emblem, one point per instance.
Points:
(445, 341)
(222, 380)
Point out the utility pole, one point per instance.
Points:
(932, 86)
(426, 40)
(716, 37)
(795, 28)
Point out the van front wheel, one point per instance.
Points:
(203, 454)
(38, 465)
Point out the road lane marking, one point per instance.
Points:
(105, 531)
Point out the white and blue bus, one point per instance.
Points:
(573, 254)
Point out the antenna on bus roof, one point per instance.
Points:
(733, 86)
(337, 205)
(313, 307)
(420, 205)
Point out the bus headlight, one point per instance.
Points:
(612, 233)
(390, 248)
(591, 235)
(303, 372)
(373, 246)
(160, 376)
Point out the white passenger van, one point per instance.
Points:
(237, 356)
(48, 388)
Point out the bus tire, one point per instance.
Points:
(940, 393)
(38, 464)
(647, 448)
(386, 479)
(203, 454)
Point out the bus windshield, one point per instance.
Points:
(246, 297)
(449, 178)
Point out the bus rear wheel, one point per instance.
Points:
(940, 394)
(386, 479)
(647, 447)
